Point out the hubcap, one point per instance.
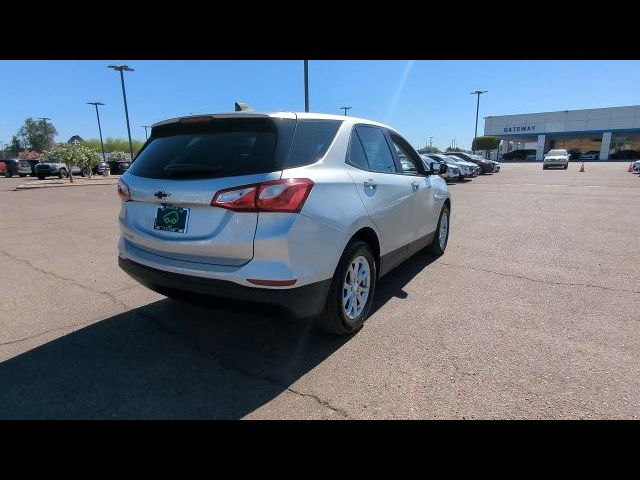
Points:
(355, 290)
(444, 230)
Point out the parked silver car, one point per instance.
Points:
(301, 210)
(556, 158)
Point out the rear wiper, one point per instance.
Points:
(191, 168)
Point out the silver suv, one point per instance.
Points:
(301, 210)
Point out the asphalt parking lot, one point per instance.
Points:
(533, 312)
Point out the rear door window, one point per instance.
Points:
(377, 149)
(215, 147)
(311, 141)
(356, 155)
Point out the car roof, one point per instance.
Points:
(283, 114)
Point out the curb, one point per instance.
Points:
(36, 186)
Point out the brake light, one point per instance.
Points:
(123, 191)
(287, 195)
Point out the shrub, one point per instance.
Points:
(73, 155)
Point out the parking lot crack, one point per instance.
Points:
(40, 334)
(70, 280)
(547, 282)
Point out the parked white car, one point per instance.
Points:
(467, 169)
(301, 210)
(556, 158)
(636, 166)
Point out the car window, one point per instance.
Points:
(311, 141)
(356, 155)
(407, 162)
(376, 149)
(214, 147)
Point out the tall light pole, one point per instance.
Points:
(345, 110)
(145, 131)
(478, 93)
(430, 142)
(122, 69)
(46, 133)
(95, 104)
(306, 85)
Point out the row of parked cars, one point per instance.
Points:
(42, 170)
(529, 154)
(460, 165)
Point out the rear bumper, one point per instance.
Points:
(305, 301)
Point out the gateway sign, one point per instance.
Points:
(524, 128)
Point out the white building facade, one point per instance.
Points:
(612, 132)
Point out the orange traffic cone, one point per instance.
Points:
(581, 167)
(630, 169)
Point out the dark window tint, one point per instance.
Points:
(376, 149)
(311, 140)
(356, 156)
(215, 147)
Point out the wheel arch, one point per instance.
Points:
(369, 236)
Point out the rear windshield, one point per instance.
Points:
(223, 147)
(215, 147)
(557, 152)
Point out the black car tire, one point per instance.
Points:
(7, 174)
(22, 175)
(63, 173)
(41, 177)
(332, 319)
(435, 248)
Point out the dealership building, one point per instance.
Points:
(613, 132)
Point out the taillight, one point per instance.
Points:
(123, 191)
(286, 195)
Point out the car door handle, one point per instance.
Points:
(415, 185)
(370, 184)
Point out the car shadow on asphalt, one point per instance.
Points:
(173, 360)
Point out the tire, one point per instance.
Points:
(41, 177)
(63, 173)
(7, 174)
(566, 166)
(439, 245)
(22, 175)
(334, 319)
(544, 167)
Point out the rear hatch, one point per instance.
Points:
(174, 178)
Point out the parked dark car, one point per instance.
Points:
(118, 167)
(518, 154)
(3, 168)
(574, 154)
(486, 166)
(13, 165)
(99, 169)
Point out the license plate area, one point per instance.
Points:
(170, 218)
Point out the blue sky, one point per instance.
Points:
(419, 98)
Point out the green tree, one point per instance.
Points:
(429, 149)
(454, 149)
(73, 155)
(14, 146)
(114, 144)
(486, 143)
(38, 135)
(120, 156)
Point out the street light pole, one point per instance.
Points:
(345, 110)
(95, 104)
(306, 85)
(122, 69)
(478, 93)
(46, 133)
(430, 142)
(145, 131)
